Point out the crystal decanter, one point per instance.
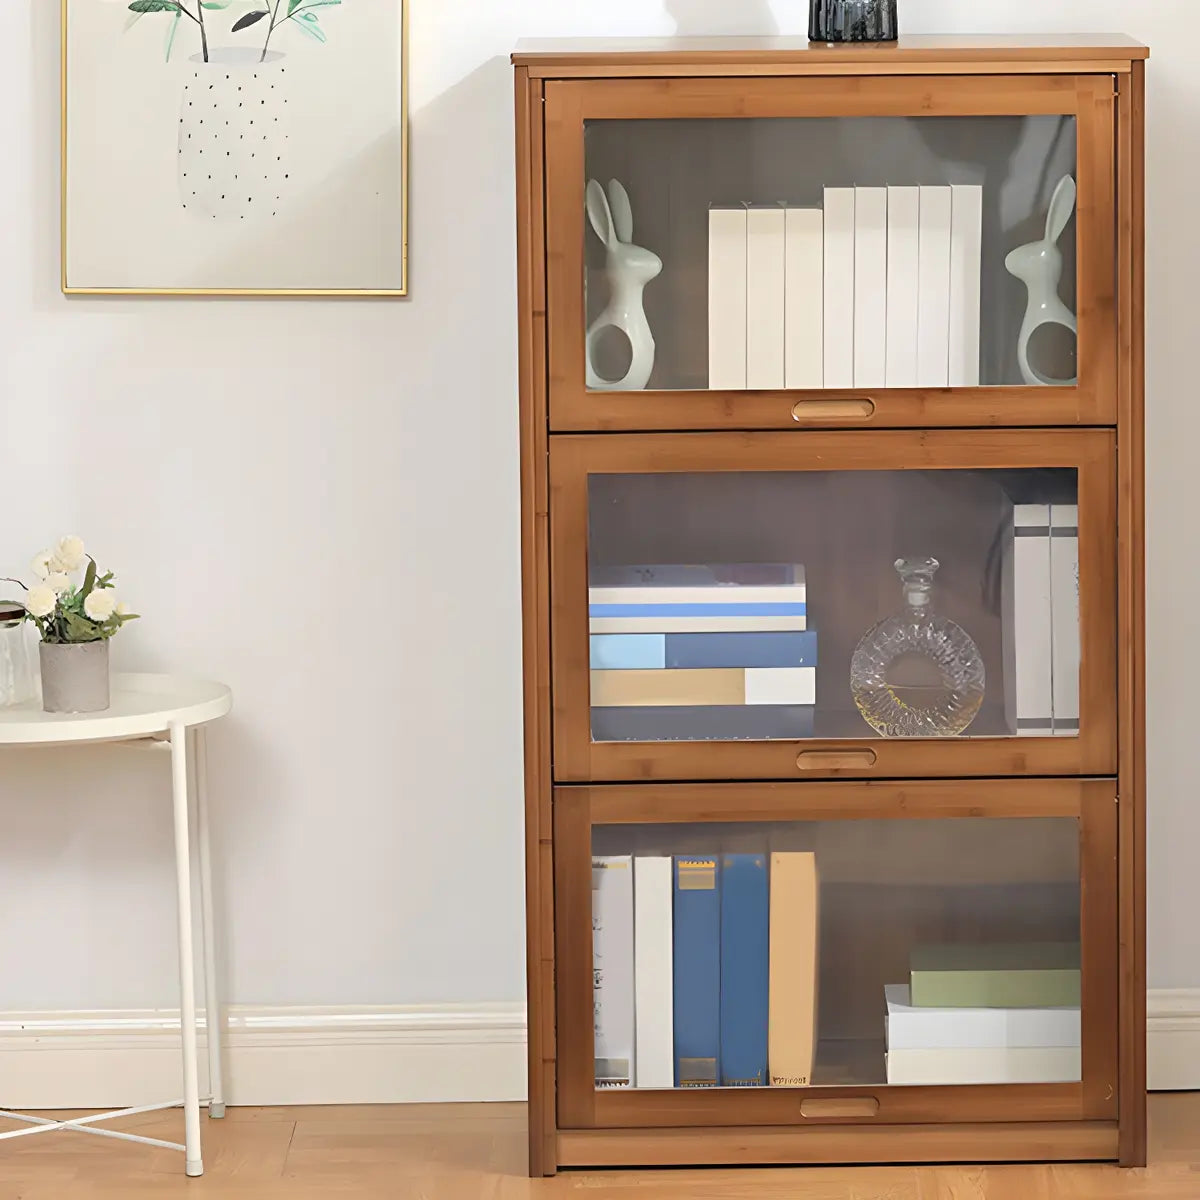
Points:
(917, 674)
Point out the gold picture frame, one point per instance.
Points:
(71, 288)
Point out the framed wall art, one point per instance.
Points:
(235, 147)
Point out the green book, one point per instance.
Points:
(969, 975)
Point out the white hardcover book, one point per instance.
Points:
(839, 287)
(934, 1068)
(766, 227)
(731, 624)
(612, 970)
(781, 685)
(804, 298)
(727, 593)
(870, 287)
(727, 298)
(933, 317)
(966, 264)
(1032, 633)
(910, 1028)
(903, 281)
(653, 972)
(1064, 593)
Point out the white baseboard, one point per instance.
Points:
(272, 1056)
(362, 1055)
(1173, 1040)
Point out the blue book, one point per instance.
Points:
(745, 969)
(704, 723)
(718, 650)
(697, 972)
(628, 651)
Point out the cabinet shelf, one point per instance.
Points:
(704, 553)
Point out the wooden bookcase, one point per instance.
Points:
(989, 834)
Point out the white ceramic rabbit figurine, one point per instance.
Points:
(1039, 266)
(628, 268)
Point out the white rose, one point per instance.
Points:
(40, 601)
(70, 552)
(58, 582)
(100, 605)
(41, 564)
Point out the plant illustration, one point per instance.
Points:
(299, 11)
(177, 10)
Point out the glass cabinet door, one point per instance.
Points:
(766, 252)
(804, 946)
(750, 606)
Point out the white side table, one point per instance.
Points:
(174, 711)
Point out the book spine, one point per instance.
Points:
(728, 624)
(717, 575)
(839, 288)
(933, 319)
(1032, 636)
(727, 243)
(804, 302)
(691, 650)
(653, 953)
(697, 972)
(966, 262)
(712, 723)
(628, 652)
(870, 287)
(996, 989)
(625, 689)
(781, 685)
(985, 1028)
(795, 593)
(745, 972)
(792, 1003)
(921, 1068)
(612, 970)
(1064, 591)
(903, 285)
(797, 608)
(766, 228)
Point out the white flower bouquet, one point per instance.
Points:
(69, 609)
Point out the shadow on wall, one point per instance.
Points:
(706, 18)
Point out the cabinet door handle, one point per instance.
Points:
(858, 409)
(849, 1106)
(836, 760)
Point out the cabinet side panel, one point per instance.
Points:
(1132, 627)
(539, 909)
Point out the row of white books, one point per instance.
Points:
(959, 1046)
(880, 288)
(1045, 629)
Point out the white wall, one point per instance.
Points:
(318, 503)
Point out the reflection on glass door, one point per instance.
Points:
(782, 605)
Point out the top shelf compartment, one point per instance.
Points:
(767, 253)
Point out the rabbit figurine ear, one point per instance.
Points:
(1062, 205)
(622, 210)
(600, 214)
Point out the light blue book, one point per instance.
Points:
(628, 651)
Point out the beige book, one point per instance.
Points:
(635, 689)
(792, 1007)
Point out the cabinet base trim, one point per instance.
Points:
(1094, 1141)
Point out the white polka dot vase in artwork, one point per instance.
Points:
(234, 136)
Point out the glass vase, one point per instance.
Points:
(17, 679)
(852, 21)
(917, 674)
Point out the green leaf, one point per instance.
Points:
(215, 3)
(249, 19)
(149, 6)
(307, 23)
(172, 32)
(307, 4)
(89, 580)
(132, 21)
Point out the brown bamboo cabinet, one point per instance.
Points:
(985, 835)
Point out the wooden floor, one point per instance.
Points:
(476, 1152)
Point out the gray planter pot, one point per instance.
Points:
(75, 677)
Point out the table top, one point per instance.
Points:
(142, 705)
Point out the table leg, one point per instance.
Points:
(212, 1008)
(187, 963)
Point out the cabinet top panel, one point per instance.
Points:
(796, 55)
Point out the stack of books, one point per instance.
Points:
(980, 1014)
(689, 653)
(705, 970)
(880, 288)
